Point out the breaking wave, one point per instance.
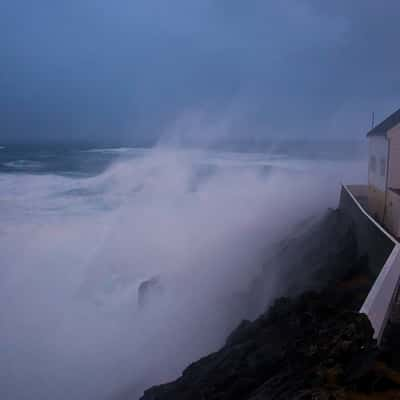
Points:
(26, 165)
(122, 279)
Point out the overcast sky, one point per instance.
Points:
(127, 70)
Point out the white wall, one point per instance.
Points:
(394, 159)
(378, 150)
(392, 217)
(381, 297)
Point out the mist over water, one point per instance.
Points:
(74, 251)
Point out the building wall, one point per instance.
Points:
(394, 158)
(377, 168)
(378, 154)
(392, 217)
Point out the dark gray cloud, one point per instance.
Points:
(123, 71)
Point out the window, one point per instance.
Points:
(383, 167)
(372, 164)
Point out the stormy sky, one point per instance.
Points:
(125, 71)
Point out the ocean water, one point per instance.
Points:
(81, 230)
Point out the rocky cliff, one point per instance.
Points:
(311, 345)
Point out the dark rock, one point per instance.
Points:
(148, 289)
(312, 346)
(239, 333)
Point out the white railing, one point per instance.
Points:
(378, 304)
(349, 189)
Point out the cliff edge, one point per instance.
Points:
(314, 345)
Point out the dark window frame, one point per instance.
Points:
(383, 166)
(372, 164)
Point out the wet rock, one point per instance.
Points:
(148, 289)
(314, 345)
(301, 348)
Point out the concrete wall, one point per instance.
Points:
(384, 260)
(376, 203)
(361, 193)
(371, 239)
(394, 158)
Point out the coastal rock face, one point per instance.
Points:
(311, 346)
(299, 347)
(316, 253)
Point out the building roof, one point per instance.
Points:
(381, 129)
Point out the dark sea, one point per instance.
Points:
(82, 229)
(78, 161)
(84, 160)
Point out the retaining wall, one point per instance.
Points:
(372, 239)
(383, 253)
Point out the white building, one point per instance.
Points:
(384, 173)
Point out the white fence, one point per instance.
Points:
(379, 302)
